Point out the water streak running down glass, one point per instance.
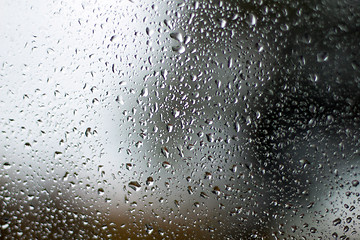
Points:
(140, 119)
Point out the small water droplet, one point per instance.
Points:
(149, 181)
(101, 191)
(210, 137)
(27, 146)
(165, 152)
(129, 166)
(177, 36)
(322, 57)
(336, 221)
(222, 22)
(135, 185)
(114, 38)
(166, 164)
(216, 190)
(66, 176)
(355, 183)
(149, 31)
(237, 127)
(149, 229)
(7, 166)
(170, 127)
(57, 154)
(208, 175)
(144, 92)
(5, 226)
(251, 19)
(204, 195)
(179, 49)
(175, 112)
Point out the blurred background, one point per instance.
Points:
(179, 119)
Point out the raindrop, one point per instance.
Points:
(177, 36)
(251, 19)
(179, 49)
(135, 185)
(170, 127)
(208, 175)
(7, 165)
(355, 183)
(144, 92)
(101, 191)
(165, 152)
(114, 38)
(204, 195)
(222, 22)
(129, 166)
(175, 112)
(322, 57)
(166, 164)
(27, 146)
(210, 137)
(216, 190)
(336, 221)
(149, 31)
(149, 181)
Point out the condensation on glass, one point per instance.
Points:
(180, 119)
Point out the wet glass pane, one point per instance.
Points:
(178, 119)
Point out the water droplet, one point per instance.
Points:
(166, 164)
(187, 39)
(177, 36)
(168, 23)
(149, 31)
(179, 49)
(251, 19)
(114, 38)
(216, 190)
(66, 176)
(204, 195)
(144, 92)
(222, 22)
(149, 229)
(165, 152)
(5, 226)
(7, 165)
(209, 121)
(237, 127)
(135, 185)
(355, 183)
(322, 57)
(57, 154)
(129, 166)
(336, 221)
(149, 181)
(175, 112)
(27, 146)
(210, 137)
(304, 163)
(100, 191)
(170, 127)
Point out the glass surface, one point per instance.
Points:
(180, 119)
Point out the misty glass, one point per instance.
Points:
(140, 119)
